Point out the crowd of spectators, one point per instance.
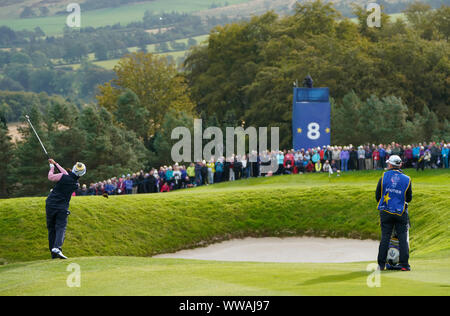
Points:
(330, 159)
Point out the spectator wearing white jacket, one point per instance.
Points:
(361, 157)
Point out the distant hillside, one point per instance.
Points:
(27, 9)
(232, 8)
(4, 3)
(36, 8)
(257, 7)
(51, 17)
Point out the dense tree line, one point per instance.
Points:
(383, 120)
(101, 4)
(36, 73)
(6, 149)
(70, 135)
(129, 130)
(14, 105)
(145, 89)
(10, 38)
(87, 5)
(247, 68)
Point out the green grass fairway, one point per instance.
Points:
(54, 25)
(129, 229)
(144, 276)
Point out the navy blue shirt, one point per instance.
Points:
(61, 194)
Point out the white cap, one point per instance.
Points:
(79, 169)
(394, 160)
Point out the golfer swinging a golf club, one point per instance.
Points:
(393, 195)
(57, 204)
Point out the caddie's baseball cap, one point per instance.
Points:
(394, 160)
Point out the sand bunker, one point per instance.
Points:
(302, 249)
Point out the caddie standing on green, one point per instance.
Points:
(393, 195)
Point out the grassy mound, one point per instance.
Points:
(145, 225)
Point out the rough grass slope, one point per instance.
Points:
(297, 205)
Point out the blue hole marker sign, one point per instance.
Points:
(311, 118)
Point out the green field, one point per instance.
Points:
(54, 25)
(127, 230)
(109, 64)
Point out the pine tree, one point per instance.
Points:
(163, 142)
(108, 149)
(345, 119)
(131, 114)
(32, 167)
(6, 158)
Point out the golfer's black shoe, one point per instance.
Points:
(58, 253)
(381, 267)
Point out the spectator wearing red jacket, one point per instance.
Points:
(376, 158)
(322, 154)
(309, 167)
(165, 187)
(289, 157)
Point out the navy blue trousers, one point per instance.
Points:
(56, 226)
(388, 222)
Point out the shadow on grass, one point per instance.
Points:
(336, 278)
(342, 277)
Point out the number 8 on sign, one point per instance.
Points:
(311, 118)
(313, 131)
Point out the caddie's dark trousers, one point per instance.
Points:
(56, 225)
(388, 222)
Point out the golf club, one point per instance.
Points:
(29, 122)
